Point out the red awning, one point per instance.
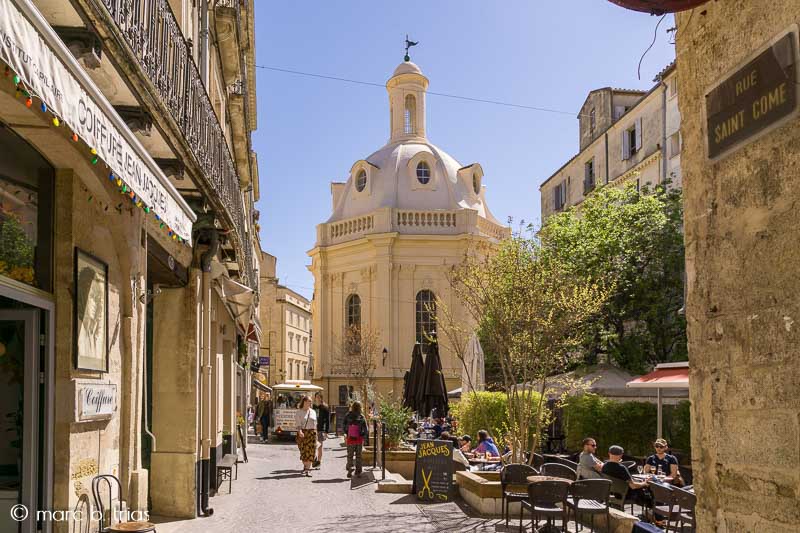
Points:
(667, 376)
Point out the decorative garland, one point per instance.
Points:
(122, 187)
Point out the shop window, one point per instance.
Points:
(26, 212)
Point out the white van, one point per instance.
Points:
(285, 401)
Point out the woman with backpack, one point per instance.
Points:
(306, 421)
(356, 433)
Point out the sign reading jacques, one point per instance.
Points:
(433, 469)
(758, 95)
(34, 56)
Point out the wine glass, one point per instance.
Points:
(640, 469)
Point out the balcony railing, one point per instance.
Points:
(151, 30)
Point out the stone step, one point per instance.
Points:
(394, 484)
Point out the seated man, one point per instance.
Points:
(614, 468)
(667, 462)
(458, 457)
(466, 444)
(588, 465)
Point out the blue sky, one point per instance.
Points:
(529, 52)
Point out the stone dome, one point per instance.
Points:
(409, 172)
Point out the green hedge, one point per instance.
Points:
(632, 425)
(484, 410)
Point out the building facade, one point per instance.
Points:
(127, 282)
(286, 316)
(625, 137)
(402, 219)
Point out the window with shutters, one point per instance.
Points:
(632, 140)
(588, 176)
(560, 196)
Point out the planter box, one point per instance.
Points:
(397, 461)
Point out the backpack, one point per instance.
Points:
(354, 431)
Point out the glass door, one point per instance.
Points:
(19, 419)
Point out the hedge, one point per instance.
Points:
(632, 425)
(483, 410)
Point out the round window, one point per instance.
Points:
(423, 172)
(476, 184)
(361, 180)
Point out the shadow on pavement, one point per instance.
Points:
(284, 476)
(366, 479)
(293, 471)
(334, 480)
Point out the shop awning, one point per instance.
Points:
(260, 386)
(240, 300)
(254, 330)
(665, 376)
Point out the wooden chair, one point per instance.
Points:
(113, 484)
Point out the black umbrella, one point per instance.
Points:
(413, 383)
(433, 394)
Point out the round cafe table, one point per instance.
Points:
(537, 479)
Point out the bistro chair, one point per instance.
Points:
(544, 499)
(619, 493)
(512, 478)
(538, 460)
(685, 502)
(664, 507)
(590, 496)
(630, 465)
(114, 488)
(558, 470)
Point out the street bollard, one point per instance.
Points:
(374, 443)
(383, 452)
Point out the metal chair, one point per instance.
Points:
(512, 478)
(619, 492)
(685, 502)
(113, 484)
(558, 470)
(590, 496)
(543, 500)
(538, 460)
(630, 465)
(664, 503)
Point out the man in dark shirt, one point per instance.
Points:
(614, 468)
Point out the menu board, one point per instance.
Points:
(339, 413)
(433, 470)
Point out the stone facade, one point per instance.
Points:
(743, 292)
(625, 137)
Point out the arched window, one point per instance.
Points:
(353, 309)
(476, 184)
(361, 180)
(410, 114)
(426, 316)
(423, 172)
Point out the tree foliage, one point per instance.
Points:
(532, 311)
(356, 355)
(634, 241)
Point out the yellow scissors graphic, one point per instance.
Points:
(426, 485)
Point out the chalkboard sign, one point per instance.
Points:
(433, 470)
(339, 412)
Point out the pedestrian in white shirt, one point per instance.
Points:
(306, 422)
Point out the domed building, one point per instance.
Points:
(405, 215)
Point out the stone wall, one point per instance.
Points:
(742, 234)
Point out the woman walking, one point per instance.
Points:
(306, 423)
(355, 429)
(323, 425)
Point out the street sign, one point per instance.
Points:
(263, 361)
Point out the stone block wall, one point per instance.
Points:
(743, 300)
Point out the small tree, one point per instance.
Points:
(355, 356)
(533, 312)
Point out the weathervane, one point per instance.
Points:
(409, 44)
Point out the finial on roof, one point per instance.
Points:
(409, 44)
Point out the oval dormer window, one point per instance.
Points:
(423, 173)
(361, 180)
(476, 184)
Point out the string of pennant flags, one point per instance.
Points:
(21, 90)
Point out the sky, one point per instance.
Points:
(537, 53)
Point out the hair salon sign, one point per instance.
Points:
(96, 401)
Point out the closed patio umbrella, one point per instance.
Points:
(413, 382)
(433, 394)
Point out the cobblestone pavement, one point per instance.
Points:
(271, 496)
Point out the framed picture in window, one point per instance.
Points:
(90, 309)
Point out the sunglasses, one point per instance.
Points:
(660, 446)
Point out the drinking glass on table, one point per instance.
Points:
(640, 469)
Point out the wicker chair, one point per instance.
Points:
(619, 493)
(630, 465)
(664, 507)
(590, 496)
(558, 470)
(512, 478)
(544, 498)
(538, 460)
(685, 502)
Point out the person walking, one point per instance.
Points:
(356, 433)
(263, 415)
(306, 422)
(323, 425)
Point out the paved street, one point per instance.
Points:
(271, 495)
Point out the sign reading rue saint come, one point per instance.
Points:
(756, 97)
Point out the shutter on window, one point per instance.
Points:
(563, 194)
(638, 133)
(626, 145)
(556, 196)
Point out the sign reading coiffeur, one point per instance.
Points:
(97, 401)
(755, 97)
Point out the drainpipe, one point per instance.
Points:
(663, 132)
(204, 42)
(205, 376)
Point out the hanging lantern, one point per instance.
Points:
(74, 137)
(658, 7)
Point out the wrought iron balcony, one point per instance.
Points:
(151, 31)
